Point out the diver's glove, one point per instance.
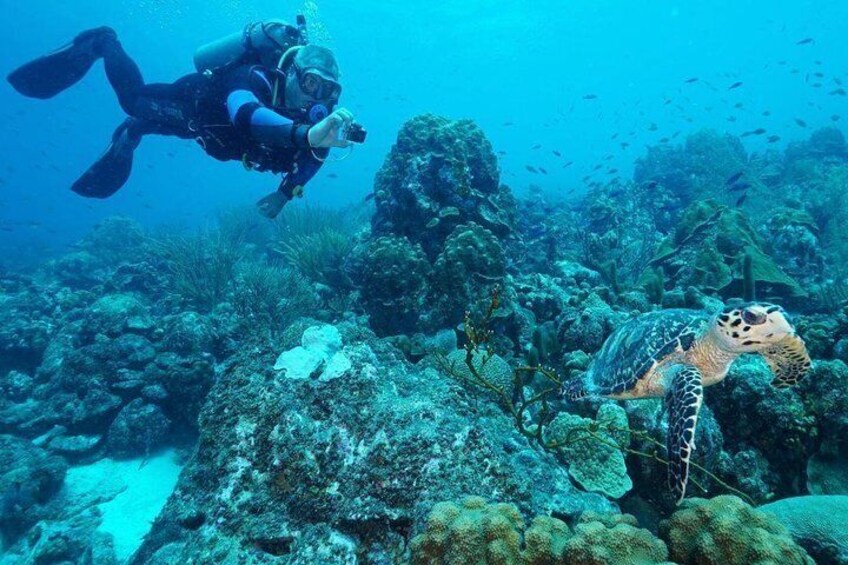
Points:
(325, 134)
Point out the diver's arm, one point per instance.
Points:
(248, 115)
(305, 168)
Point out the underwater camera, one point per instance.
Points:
(355, 133)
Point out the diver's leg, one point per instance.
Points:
(123, 74)
(49, 75)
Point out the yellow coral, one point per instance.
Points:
(726, 530)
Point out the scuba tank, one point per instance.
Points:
(262, 42)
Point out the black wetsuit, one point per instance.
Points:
(228, 111)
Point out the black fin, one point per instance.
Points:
(113, 168)
(683, 400)
(271, 205)
(49, 75)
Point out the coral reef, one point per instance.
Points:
(817, 523)
(290, 460)
(392, 276)
(708, 251)
(340, 374)
(727, 530)
(440, 174)
(473, 531)
(775, 423)
(595, 461)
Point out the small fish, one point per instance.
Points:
(653, 127)
(731, 118)
(800, 122)
(651, 184)
(739, 105)
(735, 85)
(837, 92)
(332, 176)
(691, 80)
(6, 228)
(818, 75)
(624, 145)
(568, 164)
(740, 186)
(501, 153)
(741, 200)
(557, 153)
(537, 146)
(612, 171)
(834, 118)
(734, 177)
(531, 169)
(805, 41)
(590, 97)
(664, 140)
(369, 196)
(838, 81)
(766, 113)
(773, 138)
(543, 171)
(597, 167)
(507, 124)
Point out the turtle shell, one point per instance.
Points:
(639, 345)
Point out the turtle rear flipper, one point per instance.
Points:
(789, 361)
(683, 400)
(574, 389)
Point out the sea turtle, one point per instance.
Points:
(674, 353)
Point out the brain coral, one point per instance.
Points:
(473, 532)
(725, 530)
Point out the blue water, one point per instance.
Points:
(527, 64)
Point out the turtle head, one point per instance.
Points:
(751, 327)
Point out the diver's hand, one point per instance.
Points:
(325, 133)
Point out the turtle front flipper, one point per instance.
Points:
(789, 361)
(683, 400)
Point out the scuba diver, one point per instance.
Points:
(264, 96)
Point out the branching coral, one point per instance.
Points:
(319, 256)
(268, 298)
(202, 266)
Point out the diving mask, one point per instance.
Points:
(316, 86)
